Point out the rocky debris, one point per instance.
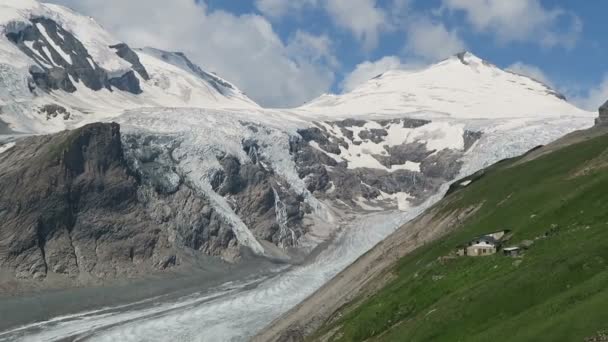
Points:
(603, 115)
(53, 110)
(55, 70)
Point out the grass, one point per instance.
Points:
(558, 291)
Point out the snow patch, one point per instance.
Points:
(6, 147)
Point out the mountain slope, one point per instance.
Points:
(412, 287)
(462, 86)
(60, 69)
(203, 177)
(282, 182)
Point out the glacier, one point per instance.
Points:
(198, 118)
(236, 311)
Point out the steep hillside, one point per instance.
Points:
(412, 287)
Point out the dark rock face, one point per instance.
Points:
(329, 178)
(127, 82)
(53, 69)
(470, 138)
(124, 51)
(263, 201)
(260, 198)
(71, 204)
(397, 155)
(603, 117)
(54, 110)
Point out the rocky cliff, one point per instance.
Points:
(603, 117)
(71, 205)
(95, 203)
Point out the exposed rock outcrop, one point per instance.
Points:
(413, 171)
(70, 204)
(53, 110)
(62, 59)
(603, 115)
(124, 51)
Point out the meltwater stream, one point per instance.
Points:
(232, 312)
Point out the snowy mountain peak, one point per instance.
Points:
(461, 86)
(467, 58)
(60, 69)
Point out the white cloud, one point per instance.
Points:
(244, 49)
(306, 47)
(279, 8)
(368, 70)
(531, 71)
(594, 97)
(520, 20)
(432, 40)
(363, 18)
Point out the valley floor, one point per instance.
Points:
(233, 311)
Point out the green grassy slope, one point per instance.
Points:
(558, 291)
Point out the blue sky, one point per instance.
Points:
(285, 52)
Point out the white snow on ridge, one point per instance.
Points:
(462, 86)
(96, 40)
(171, 85)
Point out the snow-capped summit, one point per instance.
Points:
(461, 86)
(60, 69)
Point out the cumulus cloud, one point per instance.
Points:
(431, 40)
(306, 47)
(520, 20)
(277, 9)
(244, 49)
(531, 71)
(594, 97)
(364, 19)
(370, 69)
